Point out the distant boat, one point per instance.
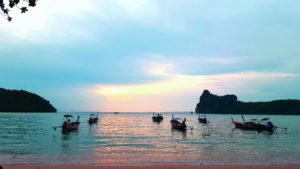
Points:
(254, 124)
(179, 124)
(202, 119)
(116, 112)
(192, 112)
(69, 124)
(93, 119)
(157, 117)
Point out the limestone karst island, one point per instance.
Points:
(23, 101)
(229, 104)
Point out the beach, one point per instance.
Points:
(149, 167)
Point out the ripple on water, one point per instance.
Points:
(133, 139)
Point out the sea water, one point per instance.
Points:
(133, 139)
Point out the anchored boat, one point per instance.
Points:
(254, 124)
(179, 124)
(93, 119)
(69, 124)
(202, 119)
(157, 117)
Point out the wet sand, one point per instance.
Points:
(148, 167)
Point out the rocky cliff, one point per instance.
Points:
(23, 101)
(229, 104)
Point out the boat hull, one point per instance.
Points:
(70, 126)
(93, 120)
(252, 126)
(178, 126)
(202, 120)
(157, 118)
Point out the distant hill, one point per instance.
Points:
(23, 101)
(229, 104)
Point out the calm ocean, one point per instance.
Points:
(133, 139)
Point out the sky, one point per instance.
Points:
(151, 55)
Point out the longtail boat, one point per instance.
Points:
(254, 124)
(157, 117)
(202, 119)
(69, 124)
(179, 124)
(93, 119)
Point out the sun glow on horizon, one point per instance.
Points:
(173, 87)
(170, 83)
(173, 84)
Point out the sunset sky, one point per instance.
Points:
(152, 55)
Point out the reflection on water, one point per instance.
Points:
(134, 139)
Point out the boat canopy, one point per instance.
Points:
(265, 119)
(254, 120)
(67, 115)
(178, 119)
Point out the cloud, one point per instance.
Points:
(204, 64)
(242, 47)
(184, 83)
(179, 86)
(68, 20)
(175, 92)
(141, 11)
(49, 21)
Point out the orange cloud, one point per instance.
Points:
(174, 88)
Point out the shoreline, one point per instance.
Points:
(30, 166)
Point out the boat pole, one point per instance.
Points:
(56, 127)
(190, 128)
(284, 128)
